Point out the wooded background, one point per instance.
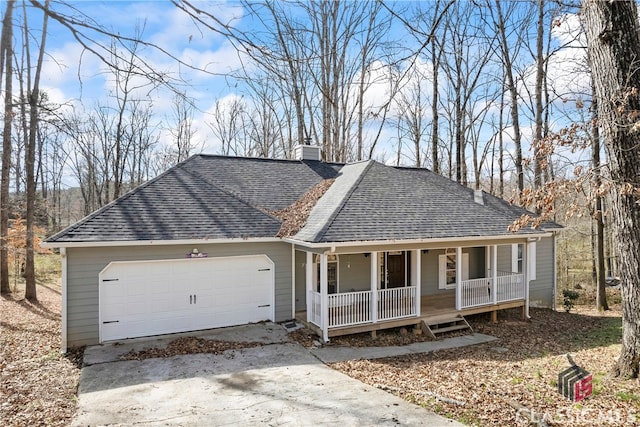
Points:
(494, 95)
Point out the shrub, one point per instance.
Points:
(569, 299)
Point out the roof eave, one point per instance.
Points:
(114, 243)
(369, 243)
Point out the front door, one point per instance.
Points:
(396, 270)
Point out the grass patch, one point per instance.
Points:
(609, 332)
(627, 396)
(48, 269)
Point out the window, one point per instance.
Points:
(516, 258)
(332, 273)
(447, 269)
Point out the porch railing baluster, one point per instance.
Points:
(477, 292)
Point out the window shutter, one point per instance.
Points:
(514, 258)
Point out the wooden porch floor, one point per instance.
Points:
(432, 307)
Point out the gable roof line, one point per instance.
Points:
(322, 213)
(112, 203)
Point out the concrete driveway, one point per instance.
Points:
(279, 383)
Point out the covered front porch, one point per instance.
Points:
(406, 286)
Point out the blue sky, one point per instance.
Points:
(71, 74)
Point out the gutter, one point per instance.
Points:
(113, 243)
(365, 243)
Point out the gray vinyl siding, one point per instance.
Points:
(84, 265)
(477, 262)
(301, 281)
(541, 290)
(504, 258)
(430, 274)
(354, 272)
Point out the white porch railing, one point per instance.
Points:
(475, 292)
(349, 308)
(354, 308)
(316, 308)
(479, 292)
(510, 288)
(396, 303)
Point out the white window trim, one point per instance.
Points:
(442, 269)
(316, 266)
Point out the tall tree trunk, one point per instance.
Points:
(6, 51)
(30, 156)
(540, 60)
(435, 137)
(598, 216)
(501, 147)
(513, 92)
(614, 44)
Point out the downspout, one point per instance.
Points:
(525, 259)
(293, 283)
(63, 255)
(555, 272)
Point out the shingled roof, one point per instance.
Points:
(218, 197)
(205, 197)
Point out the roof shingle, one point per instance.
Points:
(217, 197)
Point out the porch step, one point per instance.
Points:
(440, 325)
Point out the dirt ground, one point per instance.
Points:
(511, 381)
(37, 383)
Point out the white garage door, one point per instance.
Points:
(143, 298)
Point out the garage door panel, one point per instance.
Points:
(156, 297)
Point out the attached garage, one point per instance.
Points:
(144, 298)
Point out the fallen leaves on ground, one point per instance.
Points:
(37, 383)
(188, 345)
(513, 381)
(384, 338)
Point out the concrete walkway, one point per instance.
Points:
(279, 383)
(330, 354)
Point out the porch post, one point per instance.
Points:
(525, 276)
(458, 277)
(487, 260)
(309, 284)
(416, 278)
(374, 286)
(494, 272)
(324, 297)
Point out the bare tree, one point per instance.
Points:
(498, 18)
(412, 126)
(6, 67)
(229, 126)
(598, 216)
(34, 98)
(614, 42)
(467, 53)
(181, 129)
